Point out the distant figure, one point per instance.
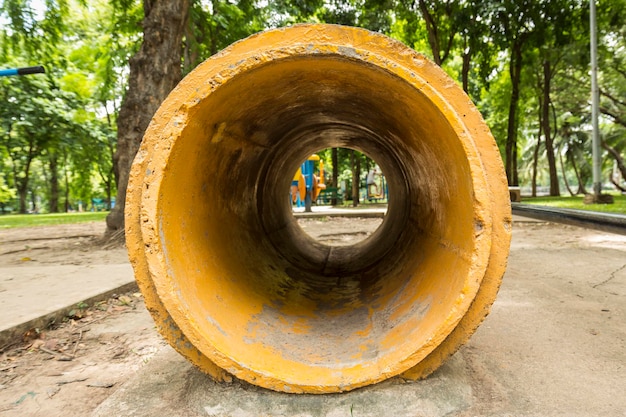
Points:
(371, 182)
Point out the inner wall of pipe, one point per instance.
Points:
(253, 280)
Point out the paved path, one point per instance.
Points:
(30, 297)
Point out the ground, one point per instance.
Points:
(72, 368)
(69, 370)
(554, 343)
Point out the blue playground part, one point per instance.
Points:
(308, 170)
(22, 71)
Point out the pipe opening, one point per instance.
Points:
(323, 182)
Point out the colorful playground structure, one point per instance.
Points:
(306, 186)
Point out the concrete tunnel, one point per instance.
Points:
(232, 281)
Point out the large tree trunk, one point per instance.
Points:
(554, 179)
(22, 193)
(154, 71)
(515, 71)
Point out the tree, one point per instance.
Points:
(612, 93)
(441, 26)
(215, 24)
(36, 118)
(154, 71)
(561, 31)
(513, 24)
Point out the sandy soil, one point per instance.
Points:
(69, 244)
(339, 231)
(555, 341)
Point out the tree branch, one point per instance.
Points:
(613, 115)
(612, 98)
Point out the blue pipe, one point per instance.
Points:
(22, 71)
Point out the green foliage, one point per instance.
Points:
(215, 24)
(60, 128)
(63, 123)
(6, 193)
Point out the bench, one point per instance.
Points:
(327, 195)
(515, 194)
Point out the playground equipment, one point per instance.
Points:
(306, 186)
(22, 71)
(376, 188)
(239, 289)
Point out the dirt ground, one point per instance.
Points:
(67, 244)
(575, 324)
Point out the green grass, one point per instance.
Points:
(9, 221)
(618, 207)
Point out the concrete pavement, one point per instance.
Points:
(31, 298)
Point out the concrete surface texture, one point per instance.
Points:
(553, 345)
(39, 284)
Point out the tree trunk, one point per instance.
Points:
(214, 32)
(21, 183)
(618, 158)
(611, 178)
(33, 201)
(536, 153)
(554, 179)
(433, 35)
(515, 71)
(53, 204)
(579, 178)
(467, 57)
(335, 159)
(154, 71)
(569, 189)
(356, 174)
(66, 178)
(22, 193)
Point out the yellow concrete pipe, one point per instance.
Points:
(232, 281)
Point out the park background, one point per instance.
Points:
(66, 136)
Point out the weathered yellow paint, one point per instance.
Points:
(237, 287)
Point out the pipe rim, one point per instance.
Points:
(149, 233)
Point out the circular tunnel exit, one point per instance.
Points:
(328, 182)
(234, 283)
